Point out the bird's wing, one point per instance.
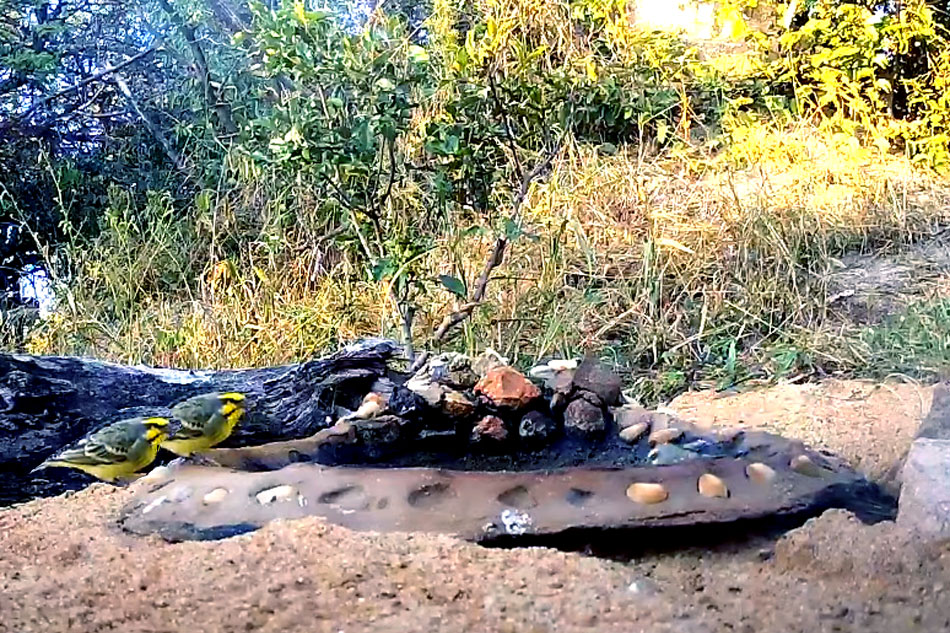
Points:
(190, 429)
(112, 443)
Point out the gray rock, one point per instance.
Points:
(937, 424)
(582, 417)
(536, 427)
(596, 378)
(924, 504)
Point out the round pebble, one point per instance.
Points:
(278, 493)
(803, 465)
(565, 364)
(215, 496)
(157, 474)
(647, 493)
(712, 486)
(633, 433)
(760, 473)
(665, 436)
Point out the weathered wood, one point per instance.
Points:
(47, 403)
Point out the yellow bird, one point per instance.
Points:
(115, 451)
(206, 420)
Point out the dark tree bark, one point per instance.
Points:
(47, 403)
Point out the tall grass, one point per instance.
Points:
(696, 265)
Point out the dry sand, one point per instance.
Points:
(65, 567)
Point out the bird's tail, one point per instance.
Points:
(49, 463)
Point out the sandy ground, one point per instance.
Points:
(65, 567)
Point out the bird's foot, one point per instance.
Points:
(197, 459)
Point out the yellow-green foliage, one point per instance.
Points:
(687, 225)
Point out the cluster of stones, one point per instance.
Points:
(671, 440)
(496, 405)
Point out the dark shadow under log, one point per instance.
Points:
(47, 403)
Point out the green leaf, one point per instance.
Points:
(383, 269)
(418, 55)
(512, 230)
(453, 285)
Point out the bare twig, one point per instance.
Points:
(81, 84)
(212, 96)
(150, 125)
(498, 251)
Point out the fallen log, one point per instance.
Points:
(47, 403)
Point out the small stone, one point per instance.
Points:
(711, 486)
(633, 433)
(596, 378)
(490, 428)
(536, 427)
(803, 465)
(630, 415)
(647, 493)
(431, 392)
(507, 387)
(157, 475)
(760, 473)
(373, 404)
(666, 454)
(584, 418)
(563, 364)
(277, 493)
(924, 505)
(487, 361)
(643, 586)
(590, 397)
(665, 436)
(456, 405)
(381, 431)
(215, 496)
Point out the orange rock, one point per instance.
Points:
(760, 473)
(711, 486)
(507, 387)
(647, 493)
(489, 428)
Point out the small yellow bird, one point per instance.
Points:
(206, 420)
(115, 451)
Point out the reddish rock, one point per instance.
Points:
(584, 418)
(490, 428)
(507, 387)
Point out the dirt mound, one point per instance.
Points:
(64, 566)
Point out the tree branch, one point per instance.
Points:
(150, 125)
(85, 82)
(498, 251)
(211, 95)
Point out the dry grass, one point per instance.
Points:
(684, 267)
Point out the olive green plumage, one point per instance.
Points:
(206, 420)
(115, 451)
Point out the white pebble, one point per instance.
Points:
(278, 493)
(215, 496)
(157, 474)
(154, 504)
